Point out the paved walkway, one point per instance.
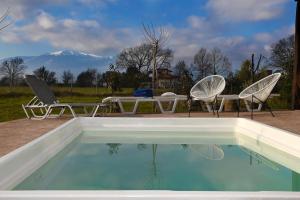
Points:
(14, 134)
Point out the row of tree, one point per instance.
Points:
(133, 67)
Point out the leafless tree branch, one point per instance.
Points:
(3, 19)
(157, 38)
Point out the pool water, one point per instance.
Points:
(103, 165)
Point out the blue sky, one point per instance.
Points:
(105, 27)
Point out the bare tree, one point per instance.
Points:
(67, 77)
(211, 62)
(46, 75)
(138, 57)
(157, 38)
(254, 69)
(219, 62)
(202, 63)
(12, 70)
(3, 20)
(164, 58)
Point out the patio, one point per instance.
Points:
(14, 134)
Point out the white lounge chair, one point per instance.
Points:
(207, 90)
(137, 100)
(45, 101)
(259, 92)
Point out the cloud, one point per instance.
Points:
(245, 10)
(45, 21)
(201, 32)
(83, 35)
(97, 3)
(19, 9)
(94, 37)
(263, 37)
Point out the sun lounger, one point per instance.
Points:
(42, 105)
(137, 100)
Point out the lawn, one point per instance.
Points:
(11, 99)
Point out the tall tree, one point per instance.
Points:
(48, 76)
(282, 59)
(247, 76)
(296, 68)
(12, 70)
(164, 58)
(283, 55)
(254, 68)
(67, 77)
(244, 73)
(87, 78)
(184, 78)
(219, 62)
(157, 38)
(138, 57)
(211, 62)
(112, 78)
(202, 63)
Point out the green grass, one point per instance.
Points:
(11, 99)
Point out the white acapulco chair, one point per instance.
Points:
(207, 90)
(259, 92)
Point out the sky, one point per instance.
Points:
(105, 27)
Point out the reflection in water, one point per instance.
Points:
(260, 159)
(141, 147)
(179, 167)
(295, 181)
(208, 151)
(154, 178)
(113, 148)
(185, 146)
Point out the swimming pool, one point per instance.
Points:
(155, 158)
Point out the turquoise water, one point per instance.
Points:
(191, 167)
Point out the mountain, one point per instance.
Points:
(74, 61)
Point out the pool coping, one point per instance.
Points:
(15, 165)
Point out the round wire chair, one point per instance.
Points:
(260, 91)
(208, 88)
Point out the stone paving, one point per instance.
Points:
(14, 134)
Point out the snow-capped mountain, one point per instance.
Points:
(76, 53)
(75, 61)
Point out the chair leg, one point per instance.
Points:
(26, 113)
(216, 106)
(238, 107)
(252, 107)
(213, 108)
(72, 111)
(61, 112)
(189, 104)
(269, 108)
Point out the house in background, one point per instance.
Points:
(165, 78)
